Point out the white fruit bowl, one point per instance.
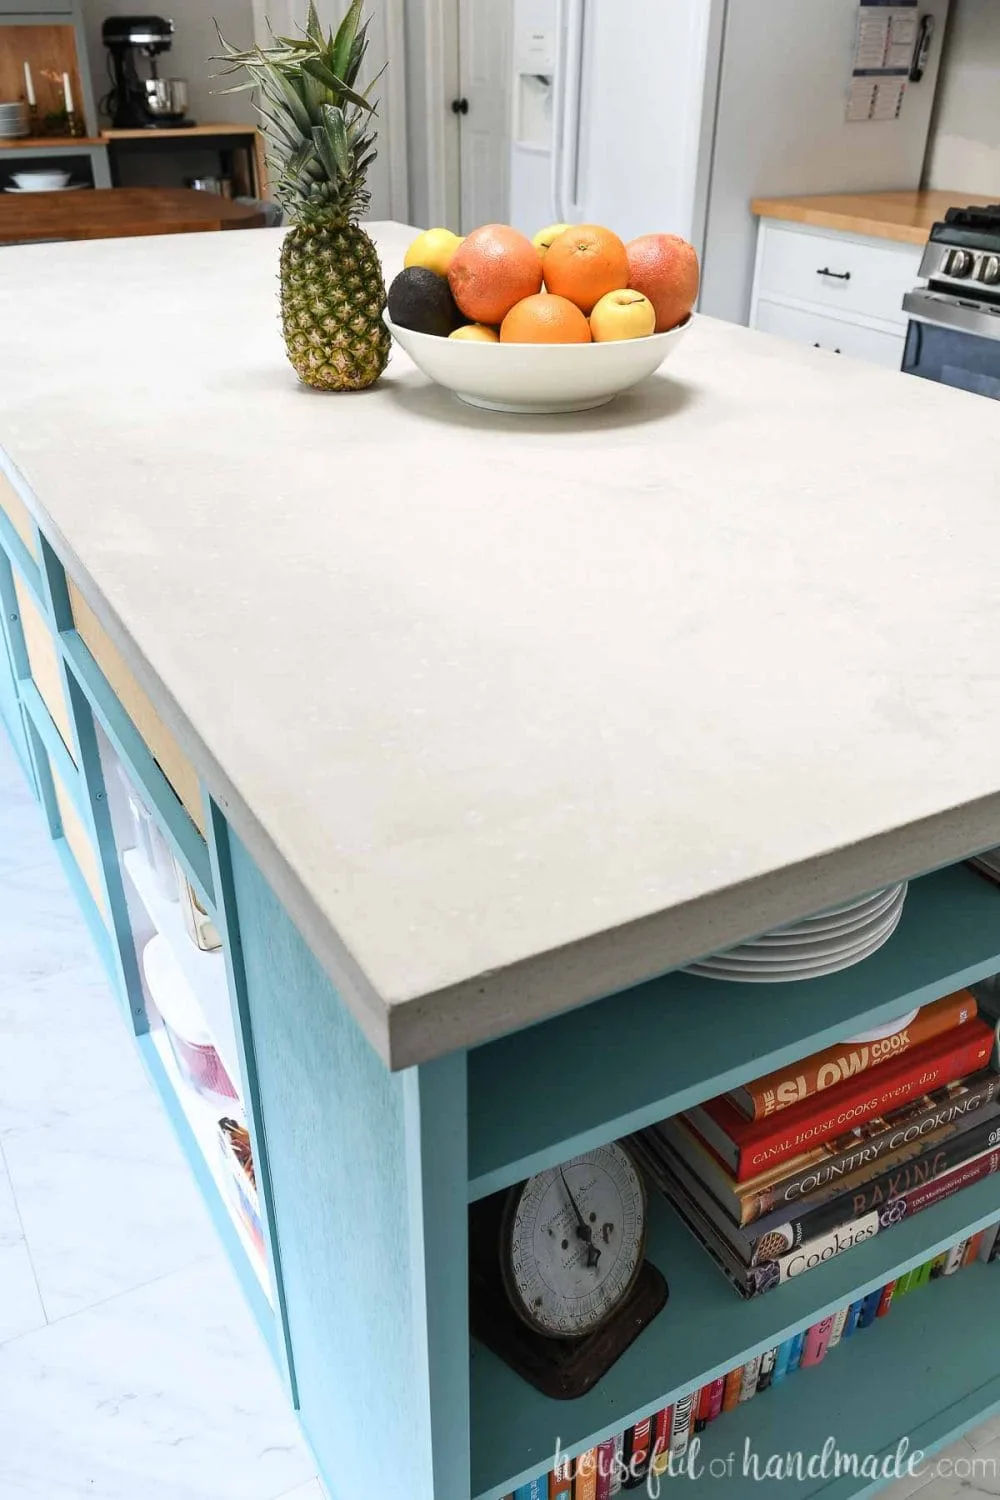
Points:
(536, 377)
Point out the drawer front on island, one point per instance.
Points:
(854, 339)
(840, 273)
(17, 514)
(158, 739)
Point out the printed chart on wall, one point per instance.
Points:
(883, 55)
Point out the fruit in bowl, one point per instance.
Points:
(534, 302)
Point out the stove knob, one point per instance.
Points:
(989, 270)
(958, 263)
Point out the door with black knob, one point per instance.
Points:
(480, 111)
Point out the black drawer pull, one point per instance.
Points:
(460, 106)
(837, 275)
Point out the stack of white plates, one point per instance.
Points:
(988, 863)
(832, 940)
(13, 120)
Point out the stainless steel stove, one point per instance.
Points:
(954, 331)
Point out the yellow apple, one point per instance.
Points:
(475, 333)
(543, 239)
(433, 251)
(622, 315)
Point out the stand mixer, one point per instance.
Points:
(136, 101)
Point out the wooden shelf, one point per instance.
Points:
(706, 1329)
(52, 143)
(600, 1072)
(189, 132)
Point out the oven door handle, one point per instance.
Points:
(925, 307)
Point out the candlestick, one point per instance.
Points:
(67, 94)
(29, 85)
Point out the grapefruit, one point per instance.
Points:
(664, 267)
(493, 268)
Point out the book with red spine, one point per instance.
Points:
(789, 1085)
(818, 1171)
(750, 1146)
(605, 1468)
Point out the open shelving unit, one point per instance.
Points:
(658, 1049)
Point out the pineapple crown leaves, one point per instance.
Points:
(320, 125)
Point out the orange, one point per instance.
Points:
(493, 268)
(585, 263)
(545, 319)
(664, 268)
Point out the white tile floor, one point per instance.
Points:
(130, 1368)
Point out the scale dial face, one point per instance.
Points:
(572, 1242)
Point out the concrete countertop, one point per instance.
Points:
(907, 217)
(515, 712)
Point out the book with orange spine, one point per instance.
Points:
(789, 1085)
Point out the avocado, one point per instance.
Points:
(422, 300)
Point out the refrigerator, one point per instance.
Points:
(671, 115)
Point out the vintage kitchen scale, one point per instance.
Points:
(559, 1285)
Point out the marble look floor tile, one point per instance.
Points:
(41, 931)
(21, 1307)
(106, 1201)
(985, 1435)
(166, 1393)
(311, 1490)
(64, 1047)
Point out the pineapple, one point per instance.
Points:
(322, 135)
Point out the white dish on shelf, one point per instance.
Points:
(47, 180)
(539, 378)
(811, 933)
(879, 1033)
(726, 968)
(808, 953)
(70, 187)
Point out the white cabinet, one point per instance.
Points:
(858, 340)
(842, 292)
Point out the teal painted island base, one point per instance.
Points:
(364, 1175)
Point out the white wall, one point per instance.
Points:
(964, 149)
(387, 178)
(195, 44)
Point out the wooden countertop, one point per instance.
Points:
(184, 132)
(114, 213)
(515, 712)
(907, 217)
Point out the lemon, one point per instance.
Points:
(476, 333)
(543, 239)
(433, 250)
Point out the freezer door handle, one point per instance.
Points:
(570, 160)
(558, 105)
(566, 107)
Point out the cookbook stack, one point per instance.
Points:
(804, 1163)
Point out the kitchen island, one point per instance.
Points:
(464, 730)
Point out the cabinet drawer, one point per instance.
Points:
(831, 333)
(158, 739)
(43, 659)
(836, 272)
(17, 514)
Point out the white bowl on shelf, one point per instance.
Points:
(536, 377)
(41, 182)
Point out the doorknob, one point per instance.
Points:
(460, 106)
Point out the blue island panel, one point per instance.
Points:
(334, 1121)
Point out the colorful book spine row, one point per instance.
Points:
(661, 1442)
